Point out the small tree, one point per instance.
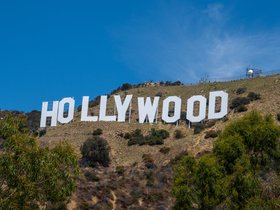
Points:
(95, 151)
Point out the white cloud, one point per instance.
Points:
(215, 11)
(185, 44)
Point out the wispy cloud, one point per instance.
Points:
(186, 43)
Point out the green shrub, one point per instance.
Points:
(155, 137)
(95, 150)
(241, 108)
(97, 132)
(164, 150)
(254, 96)
(136, 137)
(178, 134)
(153, 140)
(163, 134)
(236, 102)
(241, 90)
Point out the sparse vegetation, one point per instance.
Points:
(148, 160)
(238, 101)
(241, 90)
(210, 123)
(252, 96)
(178, 134)
(164, 150)
(91, 177)
(97, 132)
(198, 127)
(95, 101)
(95, 151)
(150, 177)
(211, 134)
(120, 170)
(159, 94)
(241, 108)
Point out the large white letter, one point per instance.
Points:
(147, 109)
(102, 111)
(84, 114)
(202, 108)
(70, 114)
(122, 107)
(52, 113)
(177, 109)
(212, 104)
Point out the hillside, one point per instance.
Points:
(138, 186)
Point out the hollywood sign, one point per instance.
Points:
(147, 109)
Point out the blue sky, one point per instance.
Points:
(55, 49)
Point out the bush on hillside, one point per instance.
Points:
(95, 101)
(254, 96)
(42, 132)
(210, 123)
(235, 175)
(164, 150)
(97, 132)
(79, 108)
(159, 94)
(161, 133)
(178, 134)
(241, 108)
(148, 160)
(155, 137)
(238, 101)
(241, 90)
(198, 127)
(95, 151)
